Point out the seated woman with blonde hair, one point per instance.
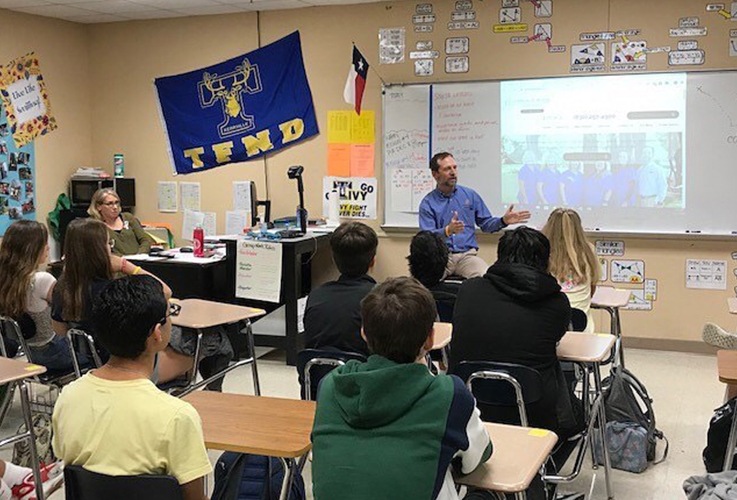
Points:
(573, 260)
(127, 237)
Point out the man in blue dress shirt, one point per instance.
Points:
(453, 212)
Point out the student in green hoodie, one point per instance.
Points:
(388, 428)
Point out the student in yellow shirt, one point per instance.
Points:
(114, 420)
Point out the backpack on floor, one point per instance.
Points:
(241, 476)
(717, 436)
(631, 433)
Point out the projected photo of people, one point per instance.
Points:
(594, 170)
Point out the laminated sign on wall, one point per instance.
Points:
(357, 196)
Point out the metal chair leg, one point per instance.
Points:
(26, 406)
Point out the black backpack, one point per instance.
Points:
(241, 476)
(627, 400)
(717, 437)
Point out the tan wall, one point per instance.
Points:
(62, 50)
(125, 57)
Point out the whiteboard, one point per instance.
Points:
(650, 153)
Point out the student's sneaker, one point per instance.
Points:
(52, 476)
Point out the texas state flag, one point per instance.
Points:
(356, 82)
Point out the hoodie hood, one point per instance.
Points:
(522, 282)
(379, 391)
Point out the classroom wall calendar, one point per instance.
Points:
(17, 178)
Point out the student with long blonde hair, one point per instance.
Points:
(25, 292)
(573, 261)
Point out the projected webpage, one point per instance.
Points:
(594, 142)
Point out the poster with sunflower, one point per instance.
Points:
(26, 100)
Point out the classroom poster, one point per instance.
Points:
(26, 100)
(258, 270)
(357, 196)
(351, 139)
(17, 178)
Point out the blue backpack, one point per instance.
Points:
(241, 476)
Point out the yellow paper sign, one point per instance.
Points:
(362, 127)
(538, 432)
(339, 126)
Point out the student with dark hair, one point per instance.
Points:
(388, 428)
(428, 256)
(333, 314)
(114, 420)
(517, 313)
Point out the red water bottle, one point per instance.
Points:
(198, 242)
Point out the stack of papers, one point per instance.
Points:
(88, 172)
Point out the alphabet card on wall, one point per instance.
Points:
(639, 301)
(706, 274)
(26, 100)
(628, 271)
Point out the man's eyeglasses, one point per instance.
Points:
(174, 310)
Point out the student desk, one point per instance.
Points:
(519, 452)
(727, 368)
(12, 370)
(199, 314)
(443, 335)
(280, 328)
(611, 299)
(590, 349)
(188, 276)
(260, 425)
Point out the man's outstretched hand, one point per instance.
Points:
(512, 217)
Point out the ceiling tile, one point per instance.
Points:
(12, 4)
(210, 9)
(61, 11)
(113, 7)
(96, 18)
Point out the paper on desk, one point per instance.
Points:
(236, 221)
(191, 220)
(167, 192)
(242, 195)
(209, 225)
(190, 194)
(301, 306)
(258, 270)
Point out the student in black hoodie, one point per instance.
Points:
(516, 313)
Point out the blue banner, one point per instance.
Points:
(239, 109)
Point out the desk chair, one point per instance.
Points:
(506, 392)
(81, 484)
(56, 378)
(579, 320)
(314, 364)
(80, 338)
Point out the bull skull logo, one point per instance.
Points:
(229, 90)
